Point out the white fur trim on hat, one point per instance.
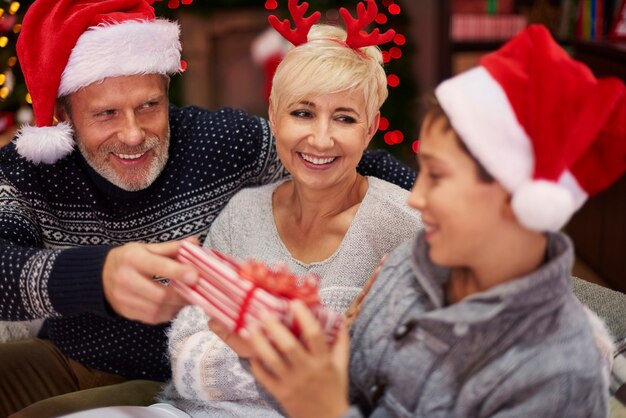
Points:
(119, 49)
(500, 144)
(47, 144)
(542, 205)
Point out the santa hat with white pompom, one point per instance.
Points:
(65, 45)
(541, 124)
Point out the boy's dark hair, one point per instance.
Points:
(436, 112)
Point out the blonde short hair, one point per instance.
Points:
(326, 65)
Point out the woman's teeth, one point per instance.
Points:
(317, 161)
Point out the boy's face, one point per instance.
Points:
(461, 214)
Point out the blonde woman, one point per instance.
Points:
(326, 219)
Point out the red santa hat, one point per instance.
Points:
(541, 124)
(65, 45)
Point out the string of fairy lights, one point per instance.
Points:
(10, 27)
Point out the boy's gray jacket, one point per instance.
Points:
(521, 349)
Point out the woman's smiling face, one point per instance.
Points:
(321, 138)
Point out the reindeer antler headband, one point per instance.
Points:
(356, 35)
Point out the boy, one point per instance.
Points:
(476, 318)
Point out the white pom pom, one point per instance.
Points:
(542, 205)
(45, 145)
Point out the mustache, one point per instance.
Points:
(148, 144)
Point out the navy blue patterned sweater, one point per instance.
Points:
(58, 222)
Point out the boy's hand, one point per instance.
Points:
(308, 378)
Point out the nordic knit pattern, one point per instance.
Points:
(58, 222)
(208, 377)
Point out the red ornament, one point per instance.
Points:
(389, 138)
(383, 125)
(381, 18)
(399, 39)
(395, 53)
(394, 9)
(415, 146)
(393, 80)
(173, 4)
(271, 4)
(399, 137)
(386, 57)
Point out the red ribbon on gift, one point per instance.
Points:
(281, 282)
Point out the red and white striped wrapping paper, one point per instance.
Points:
(236, 301)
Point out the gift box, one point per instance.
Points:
(236, 292)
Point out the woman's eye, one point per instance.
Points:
(346, 119)
(301, 113)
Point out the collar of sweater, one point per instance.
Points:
(542, 289)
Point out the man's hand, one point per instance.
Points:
(129, 285)
(308, 378)
(355, 307)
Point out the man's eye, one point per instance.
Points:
(105, 113)
(148, 105)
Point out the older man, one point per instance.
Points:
(84, 233)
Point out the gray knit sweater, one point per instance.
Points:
(208, 378)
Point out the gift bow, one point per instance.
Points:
(281, 282)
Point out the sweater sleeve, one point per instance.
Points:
(262, 146)
(38, 282)
(381, 164)
(204, 368)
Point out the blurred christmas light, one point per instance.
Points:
(14, 7)
(383, 125)
(28, 99)
(395, 53)
(381, 18)
(1, 12)
(4, 93)
(12, 61)
(394, 9)
(415, 146)
(3, 78)
(393, 80)
(399, 39)
(3, 41)
(17, 28)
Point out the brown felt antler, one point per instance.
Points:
(303, 24)
(357, 37)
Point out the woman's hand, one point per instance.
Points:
(308, 378)
(238, 344)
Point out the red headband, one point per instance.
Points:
(356, 38)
